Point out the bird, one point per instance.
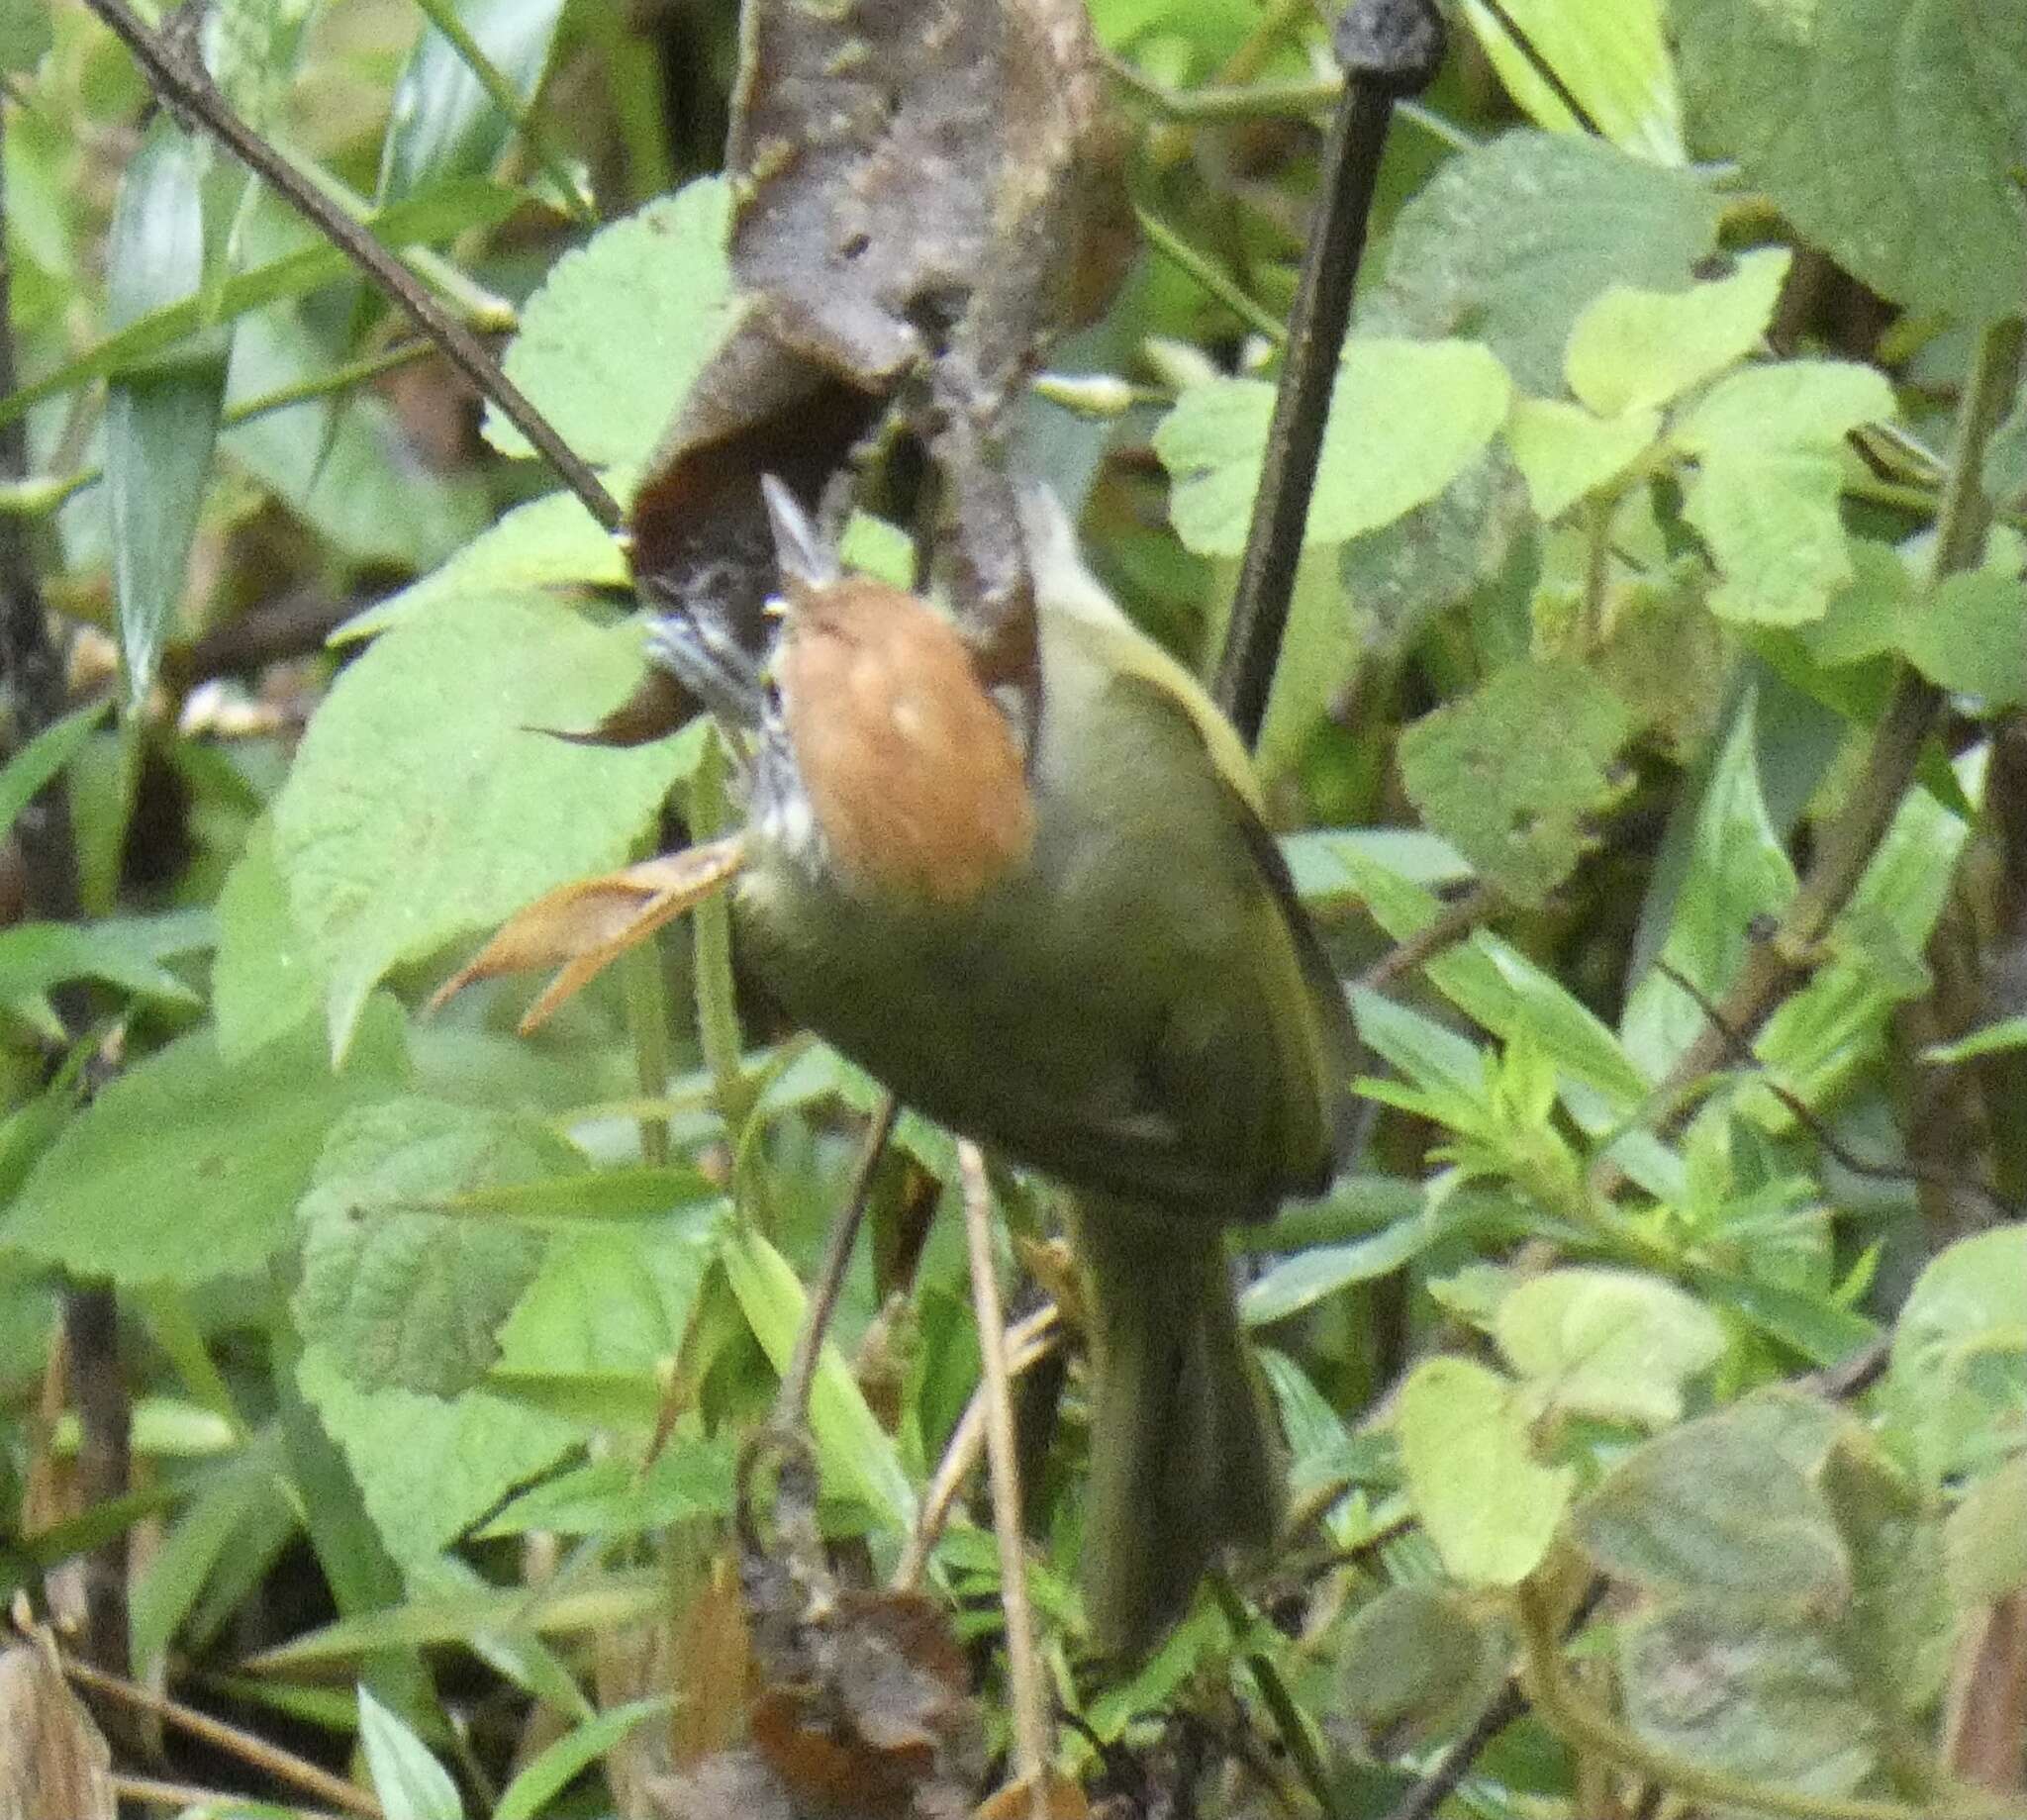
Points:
(1071, 939)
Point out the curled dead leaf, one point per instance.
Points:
(587, 925)
(53, 1757)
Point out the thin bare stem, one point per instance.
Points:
(792, 1406)
(184, 1795)
(1029, 1341)
(182, 82)
(283, 1766)
(1026, 1692)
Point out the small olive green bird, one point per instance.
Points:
(1088, 955)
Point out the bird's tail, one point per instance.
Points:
(1184, 1454)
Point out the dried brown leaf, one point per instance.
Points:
(588, 925)
(52, 1758)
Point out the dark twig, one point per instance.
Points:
(183, 83)
(1806, 1115)
(1779, 964)
(792, 1406)
(32, 667)
(1388, 49)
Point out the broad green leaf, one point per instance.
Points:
(25, 774)
(1765, 495)
(1888, 131)
(1609, 55)
(1609, 1343)
(1417, 1663)
(344, 464)
(1822, 1331)
(550, 543)
(1959, 1354)
(1405, 418)
(1771, 524)
(554, 1768)
(1737, 871)
(1490, 1507)
(1984, 1543)
(1765, 1699)
(411, 1784)
(1863, 619)
(1320, 649)
(1511, 773)
(857, 1454)
(425, 1468)
(185, 1168)
(1564, 452)
(609, 345)
(607, 1301)
(1970, 636)
(442, 123)
(1726, 1508)
(36, 956)
(445, 212)
(25, 34)
(162, 426)
(399, 1293)
(1510, 242)
(264, 983)
(690, 1475)
(1786, 405)
(422, 808)
(1633, 350)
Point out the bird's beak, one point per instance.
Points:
(806, 562)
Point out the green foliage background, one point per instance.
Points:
(1656, 486)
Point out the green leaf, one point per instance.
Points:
(1728, 1508)
(1766, 1699)
(1511, 772)
(1306, 1277)
(347, 465)
(1488, 1506)
(264, 983)
(857, 1454)
(421, 806)
(35, 956)
(609, 345)
(1633, 349)
(1888, 131)
(1970, 636)
(25, 34)
(1786, 405)
(428, 1467)
(1510, 242)
(691, 1475)
(1862, 620)
(398, 1293)
(1992, 1039)
(440, 122)
(1984, 1543)
(185, 1167)
(160, 426)
(1563, 451)
(1959, 1370)
(1609, 55)
(1417, 1663)
(1609, 1343)
(553, 1770)
(549, 542)
(1405, 419)
(445, 212)
(25, 774)
(411, 1784)
(608, 1302)
(1771, 524)
(1446, 1068)
(1737, 871)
